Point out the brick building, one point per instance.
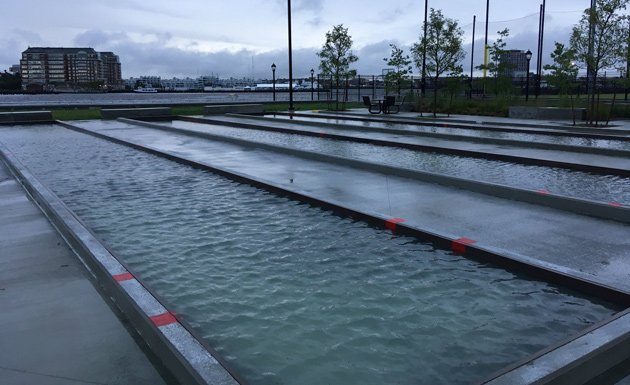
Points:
(51, 68)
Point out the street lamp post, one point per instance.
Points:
(528, 56)
(424, 51)
(291, 107)
(273, 84)
(312, 90)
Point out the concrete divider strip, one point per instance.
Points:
(574, 205)
(445, 149)
(179, 350)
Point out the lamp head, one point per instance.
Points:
(528, 55)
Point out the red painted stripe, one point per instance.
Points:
(542, 191)
(615, 204)
(123, 277)
(459, 245)
(163, 319)
(391, 224)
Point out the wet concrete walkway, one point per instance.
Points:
(55, 327)
(591, 248)
(575, 158)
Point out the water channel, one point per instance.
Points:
(291, 294)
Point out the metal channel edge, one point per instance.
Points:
(168, 336)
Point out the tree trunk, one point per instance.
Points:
(611, 107)
(572, 108)
(593, 118)
(435, 91)
(337, 86)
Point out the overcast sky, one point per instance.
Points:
(242, 38)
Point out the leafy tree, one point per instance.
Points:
(10, 82)
(336, 55)
(498, 67)
(444, 51)
(564, 71)
(598, 40)
(401, 64)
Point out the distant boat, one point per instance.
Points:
(143, 90)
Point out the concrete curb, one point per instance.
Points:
(189, 360)
(461, 138)
(461, 245)
(589, 355)
(610, 211)
(26, 117)
(234, 108)
(136, 112)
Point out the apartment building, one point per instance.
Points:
(51, 68)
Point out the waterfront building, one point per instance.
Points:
(110, 69)
(51, 68)
(187, 84)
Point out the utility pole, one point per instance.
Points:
(424, 50)
(485, 47)
(543, 10)
(291, 108)
(472, 55)
(628, 62)
(591, 33)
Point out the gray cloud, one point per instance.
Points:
(144, 35)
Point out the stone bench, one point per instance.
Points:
(136, 112)
(546, 113)
(26, 116)
(234, 109)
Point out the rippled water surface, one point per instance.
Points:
(487, 133)
(291, 294)
(604, 188)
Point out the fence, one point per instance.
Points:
(352, 89)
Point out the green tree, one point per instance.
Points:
(336, 55)
(599, 40)
(401, 64)
(563, 72)
(10, 82)
(444, 51)
(498, 66)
